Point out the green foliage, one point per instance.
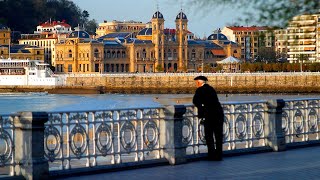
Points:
(25, 15)
(280, 67)
(271, 12)
(159, 68)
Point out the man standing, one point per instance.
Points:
(210, 109)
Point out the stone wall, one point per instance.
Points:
(237, 83)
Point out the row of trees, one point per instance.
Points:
(280, 67)
(25, 15)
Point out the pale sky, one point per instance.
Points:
(201, 23)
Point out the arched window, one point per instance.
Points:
(174, 53)
(113, 54)
(175, 66)
(118, 54)
(144, 53)
(70, 53)
(123, 54)
(138, 55)
(207, 55)
(169, 53)
(96, 53)
(193, 53)
(108, 54)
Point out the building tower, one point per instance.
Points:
(181, 37)
(158, 38)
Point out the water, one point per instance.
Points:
(14, 102)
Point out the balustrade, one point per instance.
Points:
(129, 137)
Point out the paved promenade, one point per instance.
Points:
(302, 163)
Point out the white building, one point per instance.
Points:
(304, 38)
(46, 36)
(55, 27)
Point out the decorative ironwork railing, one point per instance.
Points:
(102, 137)
(243, 127)
(80, 139)
(7, 148)
(301, 120)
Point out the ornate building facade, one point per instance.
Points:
(153, 49)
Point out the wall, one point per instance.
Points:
(175, 83)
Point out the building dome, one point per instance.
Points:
(78, 34)
(157, 15)
(145, 32)
(218, 36)
(181, 15)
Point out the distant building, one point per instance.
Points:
(53, 27)
(46, 36)
(153, 48)
(22, 52)
(4, 35)
(119, 26)
(250, 39)
(281, 43)
(304, 38)
(230, 48)
(78, 53)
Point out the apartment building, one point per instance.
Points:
(303, 34)
(250, 39)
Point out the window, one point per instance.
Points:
(70, 54)
(69, 67)
(144, 53)
(174, 53)
(169, 53)
(193, 54)
(96, 53)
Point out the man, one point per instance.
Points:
(210, 109)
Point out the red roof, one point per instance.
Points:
(55, 23)
(218, 52)
(250, 28)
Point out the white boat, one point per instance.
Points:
(16, 72)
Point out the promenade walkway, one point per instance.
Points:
(302, 163)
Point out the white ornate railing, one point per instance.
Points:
(243, 127)
(301, 120)
(102, 137)
(96, 138)
(7, 139)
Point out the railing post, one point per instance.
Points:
(273, 125)
(171, 134)
(29, 145)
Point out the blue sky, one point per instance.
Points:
(201, 23)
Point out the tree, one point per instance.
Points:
(271, 12)
(91, 26)
(159, 68)
(266, 54)
(25, 15)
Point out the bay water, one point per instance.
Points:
(15, 102)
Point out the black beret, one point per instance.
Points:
(201, 78)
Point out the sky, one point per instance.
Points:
(201, 22)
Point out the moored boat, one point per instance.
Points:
(27, 73)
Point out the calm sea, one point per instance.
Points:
(14, 102)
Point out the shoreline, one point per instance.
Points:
(157, 90)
